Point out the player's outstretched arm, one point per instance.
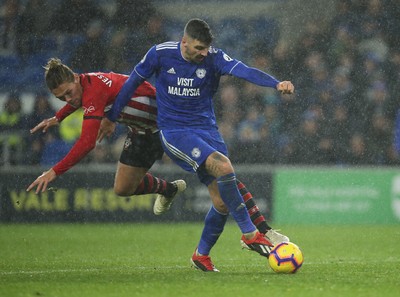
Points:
(124, 95)
(45, 124)
(54, 121)
(42, 181)
(261, 78)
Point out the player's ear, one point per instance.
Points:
(184, 39)
(76, 78)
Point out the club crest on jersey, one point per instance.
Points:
(201, 72)
(127, 143)
(87, 110)
(227, 58)
(196, 153)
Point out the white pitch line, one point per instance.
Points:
(87, 270)
(152, 268)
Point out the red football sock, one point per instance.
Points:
(151, 184)
(257, 218)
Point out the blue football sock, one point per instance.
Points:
(233, 200)
(213, 226)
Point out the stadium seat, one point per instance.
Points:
(174, 27)
(53, 152)
(232, 36)
(9, 70)
(31, 78)
(264, 30)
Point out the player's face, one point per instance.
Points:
(194, 50)
(70, 92)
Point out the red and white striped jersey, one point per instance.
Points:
(99, 93)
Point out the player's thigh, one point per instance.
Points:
(191, 148)
(139, 153)
(127, 178)
(141, 150)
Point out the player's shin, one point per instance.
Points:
(254, 212)
(233, 200)
(151, 184)
(213, 226)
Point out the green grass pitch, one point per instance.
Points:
(153, 260)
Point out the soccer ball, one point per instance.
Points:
(285, 257)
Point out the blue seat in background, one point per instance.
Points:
(232, 36)
(174, 28)
(54, 151)
(9, 70)
(264, 31)
(31, 78)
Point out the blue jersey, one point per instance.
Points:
(185, 90)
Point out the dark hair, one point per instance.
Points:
(56, 73)
(200, 30)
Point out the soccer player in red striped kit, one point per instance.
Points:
(95, 93)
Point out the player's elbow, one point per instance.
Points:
(90, 147)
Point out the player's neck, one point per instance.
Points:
(183, 54)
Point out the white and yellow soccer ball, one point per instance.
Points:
(286, 257)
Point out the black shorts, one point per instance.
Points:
(141, 150)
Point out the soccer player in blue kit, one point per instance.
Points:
(187, 76)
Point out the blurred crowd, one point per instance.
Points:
(346, 72)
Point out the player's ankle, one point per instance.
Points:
(198, 254)
(250, 235)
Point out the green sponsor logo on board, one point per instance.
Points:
(336, 196)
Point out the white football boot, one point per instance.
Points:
(162, 203)
(275, 237)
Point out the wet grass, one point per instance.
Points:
(153, 260)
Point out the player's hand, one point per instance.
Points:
(107, 128)
(285, 87)
(45, 124)
(42, 181)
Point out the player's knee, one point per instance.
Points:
(221, 207)
(219, 165)
(226, 168)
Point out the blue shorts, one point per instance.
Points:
(190, 149)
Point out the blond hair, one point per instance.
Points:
(57, 73)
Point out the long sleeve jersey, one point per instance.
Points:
(99, 93)
(185, 90)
